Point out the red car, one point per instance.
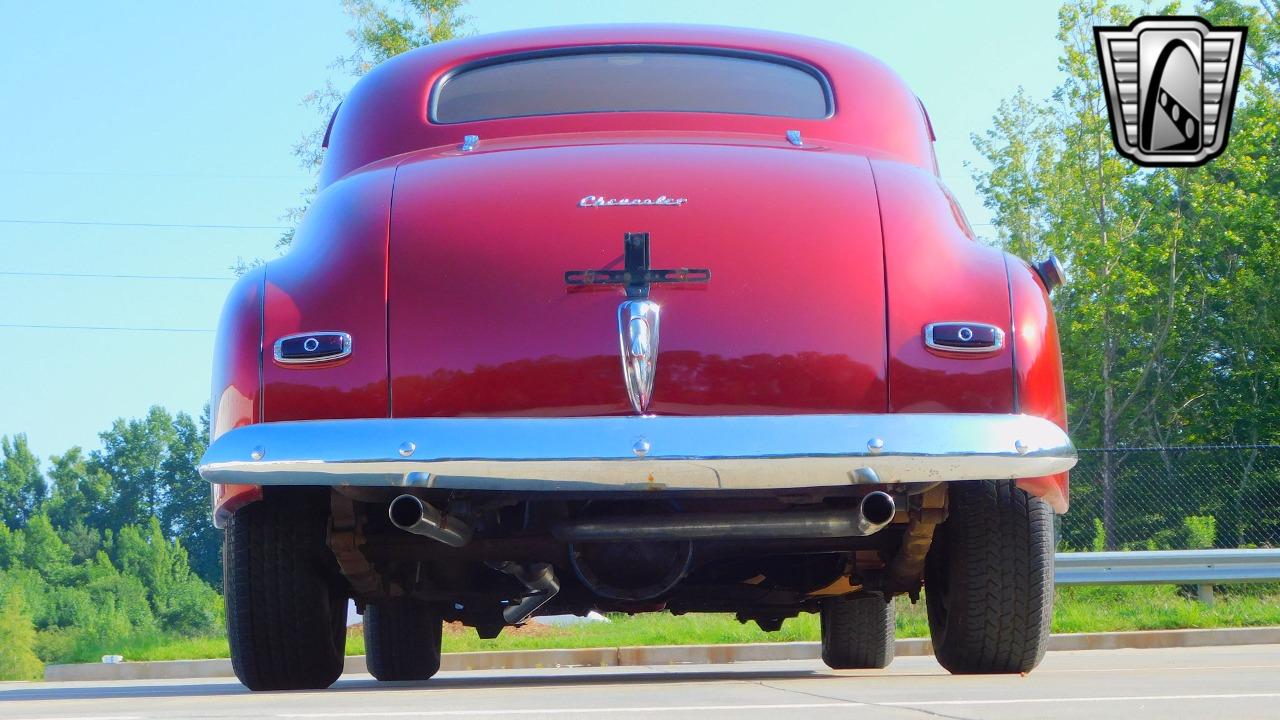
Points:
(635, 318)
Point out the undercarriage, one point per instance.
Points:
(480, 557)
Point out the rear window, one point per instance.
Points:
(632, 80)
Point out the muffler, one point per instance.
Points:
(410, 514)
(541, 581)
(872, 514)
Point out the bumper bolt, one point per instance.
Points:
(407, 448)
(875, 446)
(258, 453)
(1021, 447)
(641, 448)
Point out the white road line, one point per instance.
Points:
(1153, 668)
(570, 711)
(1116, 698)
(497, 712)
(87, 717)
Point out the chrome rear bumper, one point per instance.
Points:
(640, 453)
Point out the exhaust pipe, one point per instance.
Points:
(539, 578)
(410, 514)
(874, 512)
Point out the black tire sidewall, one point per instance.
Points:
(402, 640)
(286, 601)
(989, 580)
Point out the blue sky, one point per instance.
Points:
(154, 113)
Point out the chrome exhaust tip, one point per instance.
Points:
(875, 511)
(411, 514)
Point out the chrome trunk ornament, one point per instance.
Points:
(638, 340)
(638, 316)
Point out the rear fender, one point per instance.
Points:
(936, 272)
(334, 279)
(1037, 368)
(237, 365)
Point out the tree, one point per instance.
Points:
(133, 454)
(11, 547)
(18, 659)
(1082, 207)
(185, 511)
(22, 485)
(382, 30)
(44, 551)
(1171, 322)
(82, 491)
(180, 601)
(1016, 147)
(1263, 20)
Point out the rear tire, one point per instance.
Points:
(857, 633)
(286, 600)
(402, 640)
(989, 580)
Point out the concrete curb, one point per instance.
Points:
(668, 654)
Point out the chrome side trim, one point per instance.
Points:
(998, 332)
(346, 348)
(681, 453)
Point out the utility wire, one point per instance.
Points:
(23, 273)
(22, 221)
(111, 173)
(105, 327)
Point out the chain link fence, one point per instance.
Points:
(1174, 498)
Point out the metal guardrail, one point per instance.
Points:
(1203, 568)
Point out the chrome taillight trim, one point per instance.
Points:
(997, 332)
(278, 348)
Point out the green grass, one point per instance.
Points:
(1078, 609)
(71, 647)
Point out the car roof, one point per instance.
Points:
(386, 113)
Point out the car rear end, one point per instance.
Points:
(665, 325)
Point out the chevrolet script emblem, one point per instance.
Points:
(1170, 86)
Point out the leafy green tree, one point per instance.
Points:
(179, 600)
(82, 492)
(1263, 20)
(120, 599)
(44, 551)
(184, 513)
(1171, 323)
(1017, 147)
(85, 542)
(11, 547)
(18, 659)
(134, 453)
(22, 485)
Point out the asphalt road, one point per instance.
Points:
(1228, 682)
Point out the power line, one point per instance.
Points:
(104, 327)
(23, 221)
(113, 173)
(23, 273)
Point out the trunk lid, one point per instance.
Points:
(482, 322)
